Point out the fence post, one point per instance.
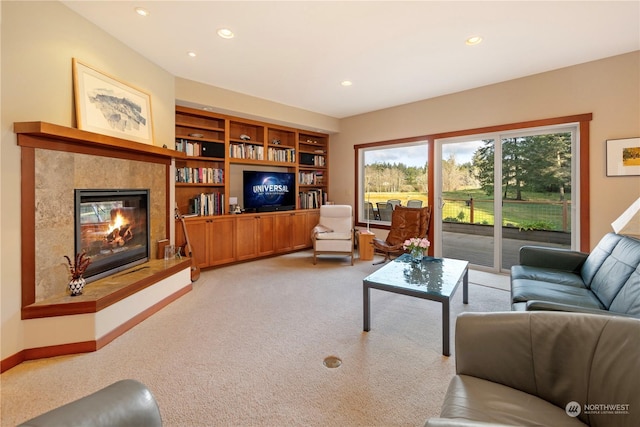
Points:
(565, 215)
(471, 210)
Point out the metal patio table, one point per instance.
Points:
(434, 279)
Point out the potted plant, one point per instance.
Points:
(76, 271)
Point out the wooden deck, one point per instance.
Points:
(478, 250)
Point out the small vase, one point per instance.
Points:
(76, 286)
(417, 254)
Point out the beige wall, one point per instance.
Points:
(38, 41)
(609, 88)
(193, 94)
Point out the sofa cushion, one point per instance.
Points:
(523, 290)
(597, 256)
(628, 299)
(616, 269)
(471, 398)
(547, 275)
(332, 235)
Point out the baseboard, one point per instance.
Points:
(89, 346)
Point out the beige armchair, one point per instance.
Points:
(334, 232)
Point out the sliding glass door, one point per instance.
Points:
(498, 192)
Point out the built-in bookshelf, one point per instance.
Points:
(210, 143)
(313, 176)
(200, 173)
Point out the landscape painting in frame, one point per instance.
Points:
(623, 157)
(107, 106)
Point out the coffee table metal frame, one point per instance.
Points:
(448, 272)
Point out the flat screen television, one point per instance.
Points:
(269, 191)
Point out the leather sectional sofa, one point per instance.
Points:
(126, 403)
(544, 369)
(606, 281)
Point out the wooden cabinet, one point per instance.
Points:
(209, 145)
(221, 235)
(254, 236)
(212, 239)
(313, 218)
(293, 231)
(196, 229)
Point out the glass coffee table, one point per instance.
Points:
(435, 279)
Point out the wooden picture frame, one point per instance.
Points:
(110, 107)
(623, 157)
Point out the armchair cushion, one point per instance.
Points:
(405, 223)
(334, 233)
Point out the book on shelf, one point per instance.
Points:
(206, 204)
(311, 178)
(190, 148)
(200, 175)
(312, 199)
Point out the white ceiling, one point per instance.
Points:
(395, 52)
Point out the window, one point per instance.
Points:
(404, 170)
(394, 173)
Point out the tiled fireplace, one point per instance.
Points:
(57, 162)
(58, 176)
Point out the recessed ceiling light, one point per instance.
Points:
(473, 40)
(225, 33)
(191, 54)
(142, 11)
(346, 83)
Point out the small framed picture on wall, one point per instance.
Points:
(623, 157)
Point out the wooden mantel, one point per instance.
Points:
(61, 138)
(112, 305)
(48, 136)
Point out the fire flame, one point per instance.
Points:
(119, 221)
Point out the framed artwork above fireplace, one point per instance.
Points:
(108, 106)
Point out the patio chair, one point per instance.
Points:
(414, 203)
(405, 223)
(394, 203)
(370, 213)
(334, 232)
(384, 211)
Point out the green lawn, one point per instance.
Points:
(537, 211)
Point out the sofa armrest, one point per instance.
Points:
(555, 258)
(126, 403)
(538, 305)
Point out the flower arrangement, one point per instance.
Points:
(79, 266)
(415, 243)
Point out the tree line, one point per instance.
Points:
(539, 163)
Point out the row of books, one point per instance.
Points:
(311, 178)
(207, 204)
(281, 155)
(200, 175)
(318, 160)
(190, 148)
(246, 151)
(312, 199)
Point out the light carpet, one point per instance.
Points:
(246, 348)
